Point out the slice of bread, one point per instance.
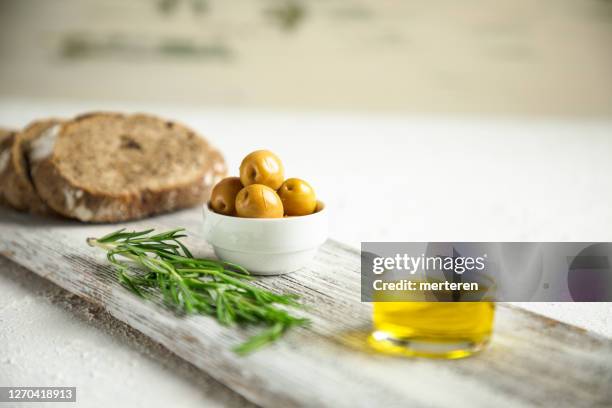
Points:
(19, 190)
(109, 167)
(6, 141)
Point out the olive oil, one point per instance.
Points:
(432, 329)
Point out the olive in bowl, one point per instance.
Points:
(262, 167)
(223, 196)
(298, 197)
(258, 201)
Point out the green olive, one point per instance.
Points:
(262, 167)
(258, 201)
(223, 196)
(298, 197)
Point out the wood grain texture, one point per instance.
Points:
(532, 361)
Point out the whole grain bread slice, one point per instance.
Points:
(19, 190)
(110, 167)
(6, 141)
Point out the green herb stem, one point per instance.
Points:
(161, 263)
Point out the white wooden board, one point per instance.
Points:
(533, 361)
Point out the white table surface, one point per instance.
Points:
(384, 178)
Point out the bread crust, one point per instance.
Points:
(75, 199)
(6, 141)
(20, 192)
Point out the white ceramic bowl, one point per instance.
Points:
(266, 246)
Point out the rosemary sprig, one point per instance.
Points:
(162, 264)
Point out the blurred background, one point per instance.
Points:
(504, 57)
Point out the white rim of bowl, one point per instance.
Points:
(283, 219)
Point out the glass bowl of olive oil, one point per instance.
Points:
(447, 330)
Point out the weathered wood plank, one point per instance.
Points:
(533, 361)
